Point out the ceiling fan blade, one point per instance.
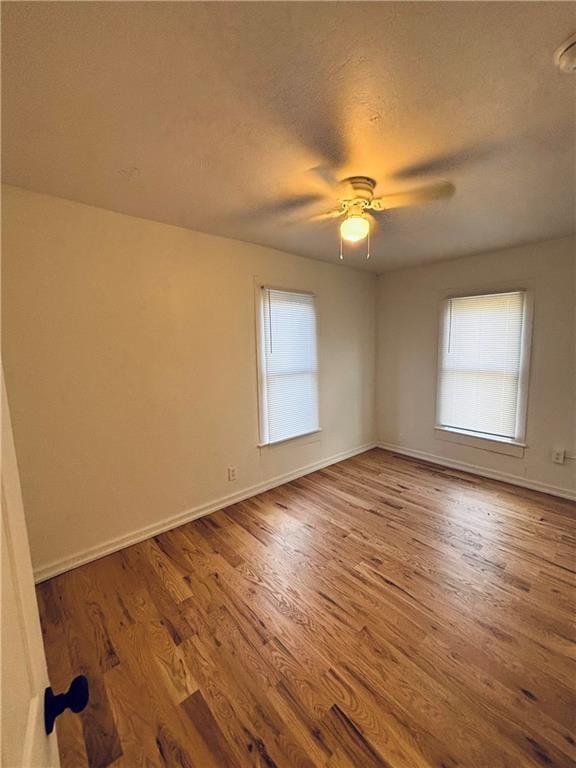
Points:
(292, 204)
(283, 208)
(325, 216)
(440, 165)
(442, 190)
(327, 175)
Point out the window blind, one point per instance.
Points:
(480, 364)
(289, 365)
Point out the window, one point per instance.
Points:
(288, 365)
(483, 365)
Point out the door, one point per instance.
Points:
(24, 675)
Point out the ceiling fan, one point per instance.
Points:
(358, 205)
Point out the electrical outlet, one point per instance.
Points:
(558, 455)
(232, 473)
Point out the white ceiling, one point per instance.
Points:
(209, 115)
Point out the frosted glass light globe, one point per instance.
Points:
(354, 228)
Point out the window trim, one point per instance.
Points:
(288, 439)
(503, 445)
(259, 286)
(484, 440)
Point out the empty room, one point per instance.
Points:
(288, 384)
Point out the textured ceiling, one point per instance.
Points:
(209, 115)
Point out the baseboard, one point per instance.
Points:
(57, 567)
(474, 469)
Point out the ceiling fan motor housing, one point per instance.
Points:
(363, 186)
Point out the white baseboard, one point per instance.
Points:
(47, 571)
(56, 567)
(474, 469)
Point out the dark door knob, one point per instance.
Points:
(75, 699)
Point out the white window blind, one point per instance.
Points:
(288, 365)
(481, 388)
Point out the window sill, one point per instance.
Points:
(289, 439)
(488, 443)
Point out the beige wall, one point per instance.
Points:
(130, 362)
(409, 305)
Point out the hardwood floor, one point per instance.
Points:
(380, 612)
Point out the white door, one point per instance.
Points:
(24, 675)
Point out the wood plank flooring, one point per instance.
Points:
(380, 612)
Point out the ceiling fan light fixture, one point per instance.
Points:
(355, 228)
